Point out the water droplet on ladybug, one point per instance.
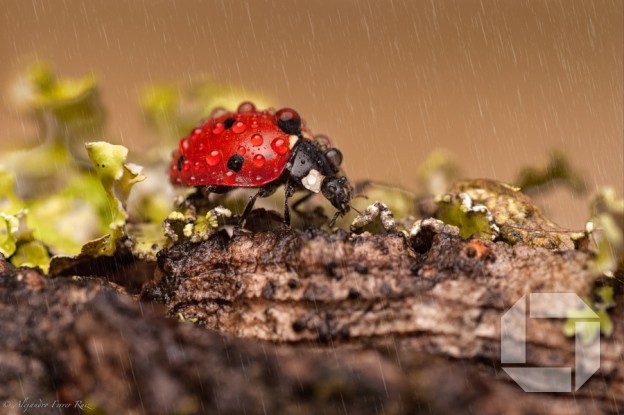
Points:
(258, 178)
(241, 150)
(213, 158)
(201, 147)
(196, 134)
(288, 121)
(256, 140)
(246, 107)
(229, 177)
(218, 128)
(196, 166)
(322, 141)
(186, 166)
(185, 144)
(254, 123)
(259, 160)
(239, 127)
(218, 112)
(280, 146)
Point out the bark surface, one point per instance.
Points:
(299, 322)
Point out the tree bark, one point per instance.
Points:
(299, 322)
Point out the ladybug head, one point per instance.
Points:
(338, 191)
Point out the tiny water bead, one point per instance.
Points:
(229, 177)
(256, 140)
(246, 107)
(288, 121)
(186, 166)
(213, 158)
(259, 160)
(241, 150)
(239, 127)
(218, 112)
(185, 144)
(196, 134)
(280, 146)
(254, 124)
(218, 128)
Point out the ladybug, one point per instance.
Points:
(261, 149)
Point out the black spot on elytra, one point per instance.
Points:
(180, 161)
(229, 122)
(235, 162)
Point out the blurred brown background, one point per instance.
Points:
(497, 83)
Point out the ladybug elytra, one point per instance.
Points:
(264, 150)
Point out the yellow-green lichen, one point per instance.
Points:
(516, 217)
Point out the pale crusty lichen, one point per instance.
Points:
(513, 216)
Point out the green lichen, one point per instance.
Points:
(195, 227)
(600, 302)
(454, 210)
(117, 178)
(607, 227)
(516, 217)
(558, 169)
(32, 254)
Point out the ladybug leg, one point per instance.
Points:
(289, 190)
(248, 208)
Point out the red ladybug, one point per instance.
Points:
(262, 149)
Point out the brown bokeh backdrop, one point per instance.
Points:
(497, 83)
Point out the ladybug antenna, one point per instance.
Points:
(352, 207)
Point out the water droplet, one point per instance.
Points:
(218, 112)
(218, 128)
(241, 150)
(254, 123)
(259, 160)
(239, 127)
(256, 140)
(246, 107)
(230, 177)
(196, 166)
(186, 166)
(196, 134)
(258, 178)
(288, 121)
(280, 146)
(185, 144)
(213, 158)
(201, 147)
(322, 141)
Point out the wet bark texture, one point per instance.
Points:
(290, 322)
